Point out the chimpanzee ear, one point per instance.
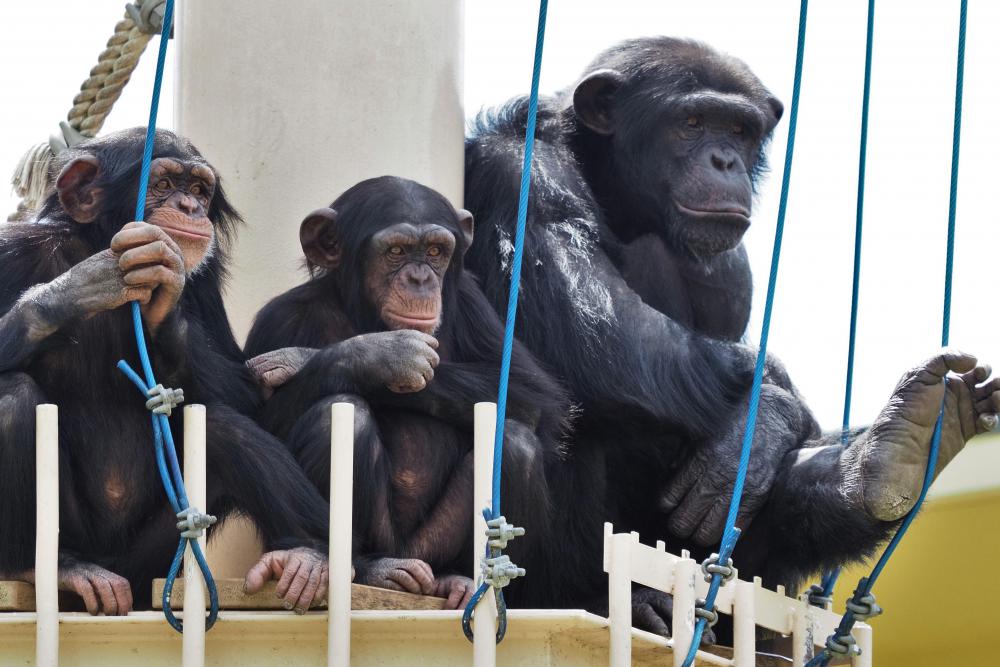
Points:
(777, 108)
(318, 236)
(466, 224)
(77, 193)
(592, 99)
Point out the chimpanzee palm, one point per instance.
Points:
(392, 323)
(63, 281)
(636, 291)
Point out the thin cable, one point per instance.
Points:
(731, 533)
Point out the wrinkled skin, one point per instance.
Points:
(303, 577)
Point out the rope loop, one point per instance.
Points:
(711, 616)
(711, 567)
(193, 522)
(163, 400)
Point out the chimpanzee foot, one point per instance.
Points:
(101, 590)
(303, 577)
(653, 611)
(456, 589)
(885, 468)
(401, 574)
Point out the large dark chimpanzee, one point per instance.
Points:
(63, 280)
(392, 323)
(636, 291)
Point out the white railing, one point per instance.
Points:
(626, 560)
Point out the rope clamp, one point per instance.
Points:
(864, 607)
(711, 567)
(147, 15)
(193, 523)
(711, 616)
(843, 645)
(817, 599)
(499, 532)
(499, 571)
(164, 400)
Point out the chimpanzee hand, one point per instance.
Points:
(303, 577)
(275, 368)
(400, 574)
(885, 467)
(697, 498)
(403, 360)
(147, 256)
(101, 590)
(456, 589)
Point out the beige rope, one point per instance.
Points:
(91, 107)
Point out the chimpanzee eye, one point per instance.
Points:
(434, 251)
(197, 190)
(396, 251)
(738, 129)
(162, 184)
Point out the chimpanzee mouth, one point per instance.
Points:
(184, 232)
(737, 215)
(412, 321)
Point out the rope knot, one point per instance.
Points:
(193, 523)
(163, 400)
(499, 532)
(500, 571)
(711, 567)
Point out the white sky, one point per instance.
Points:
(47, 48)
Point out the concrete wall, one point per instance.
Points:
(295, 102)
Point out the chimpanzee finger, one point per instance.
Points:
(679, 486)
(123, 593)
(324, 584)
(456, 593)
(951, 360)
(136, 234)
(265, 569)
(81, 586)
(470, 590)
(420, 572)
(645, 617)
(691, 512)
(710, 529)
(151, 275)
(989, 404)
(142, 294)
(107, 595)
(429, 339)
(303, 587)
(405, 580)
(987, 388)
(292, 565)
(987, 422)
(157, 252)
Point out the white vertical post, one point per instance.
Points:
(863, 634)
(620, 600)
(47, 535)
(684, 602)
(194, 483)
(484, 649)
(329, 92)
(341, 516)
(744, 625)
(803, 641)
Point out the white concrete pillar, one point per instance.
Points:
(295, 102)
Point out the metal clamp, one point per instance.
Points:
(164, 400)
(842, 645)
(193, 523)
(499, 532)
(499, 571)
(864, 607)
(711, 567)
(817, 597)
(147, 15)
(711, 616)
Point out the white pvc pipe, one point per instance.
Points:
(294, 102)
(484, 649)
(744, 625)
(194, 482)
(863, 634)
(341, 515)
(47, 535)
(620, 600)
(684, 602)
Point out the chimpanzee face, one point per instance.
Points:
(178, 199)
(405, 272)
(684, 154)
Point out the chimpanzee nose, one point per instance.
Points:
(722, 159)
(419, 275)
(187, 204)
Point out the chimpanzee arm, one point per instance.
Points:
(618, 355)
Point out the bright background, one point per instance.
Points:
(47, 48)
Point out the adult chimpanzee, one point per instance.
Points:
(63, 279)
(392, 323)
(659, 145)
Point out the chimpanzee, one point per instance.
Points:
(636, 291)
(63, 280)
(391, 322)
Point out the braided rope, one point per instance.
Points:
(91, 107)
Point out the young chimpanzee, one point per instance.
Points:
(63, 279)
(391, 322)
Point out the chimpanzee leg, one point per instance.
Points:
(250, 470)
(18, 397)
(309, 440)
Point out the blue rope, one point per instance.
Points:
(163, 440)
(866, 584)
(830, 578)
(512, 298)
(732, 533)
